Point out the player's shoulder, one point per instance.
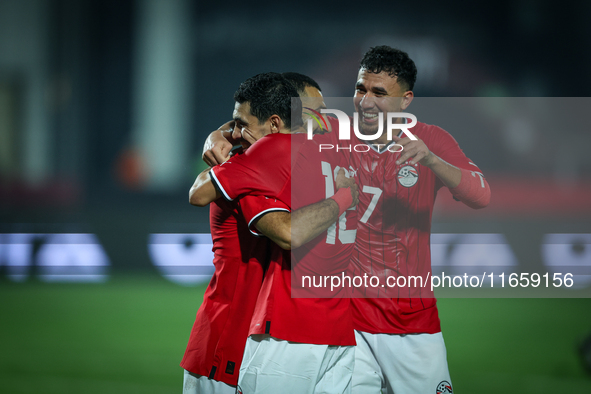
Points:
(429, 132)
(276, 144)
(300, 142)
(426, 129)
(276, 139)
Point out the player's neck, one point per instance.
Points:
(383, 140)
(297, 130)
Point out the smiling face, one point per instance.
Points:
(375, 93)
(247, 127)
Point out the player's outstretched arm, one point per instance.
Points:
(203, 190)
(467, 186)
(277, 227)
(292, 230)
(218, 145)
(473, 189)
(417, 152)
(310, 221)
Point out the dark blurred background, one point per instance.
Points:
(104, 109)
(105, 105)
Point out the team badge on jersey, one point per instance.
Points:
(444, 388)
(408, 176)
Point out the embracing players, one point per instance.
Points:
(400, 346)
(308, 342)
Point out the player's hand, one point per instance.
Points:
(216, 149)
(355, 195)
(415, 151)
(343, 182)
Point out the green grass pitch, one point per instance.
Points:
(128, 336)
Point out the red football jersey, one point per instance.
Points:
(267, 171)
(263, 169)
(313, 180)
(393, 236)
(217, 340)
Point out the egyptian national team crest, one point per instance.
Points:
(408, 176)
(444, 388)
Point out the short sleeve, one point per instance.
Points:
(263, 169)
(447, 148)
(254, 207)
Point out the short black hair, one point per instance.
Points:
(270, 94)
(395, 62)
(301, 81)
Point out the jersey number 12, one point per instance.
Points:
(345, 236)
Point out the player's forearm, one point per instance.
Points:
(277, 227)
(473, 190)
(203, 190)
(310, 221)
(449, 175)
(290, 231)
(466, 186)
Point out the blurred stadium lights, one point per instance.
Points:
(54, 257)
(186, 259)
(472, 254)
(569, 253)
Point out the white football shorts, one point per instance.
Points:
(272, 365)
(199, 384)
(400, 364)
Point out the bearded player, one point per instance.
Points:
(400, 347)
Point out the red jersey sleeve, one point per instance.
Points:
(446, 147)
(256, 171)
(253, 207)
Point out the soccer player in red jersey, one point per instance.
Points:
(221, 141)
(308, 342)
(399, 343)
(216, 345)
(215, 349)
(265, 168)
